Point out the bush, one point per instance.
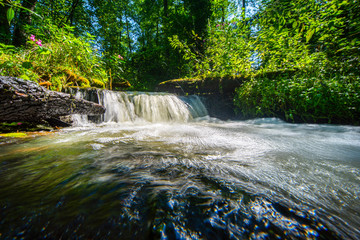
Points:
(301, 99)
(56, 58)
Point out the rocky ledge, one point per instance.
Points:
(26, 101)
(216, 93)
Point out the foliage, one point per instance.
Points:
(228, 49)
(58, 60)
(137, 30)
(314, 39)
(158, 40)
(327, 27)
(12, 6)
(302, 99)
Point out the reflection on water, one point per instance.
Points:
(260, 179)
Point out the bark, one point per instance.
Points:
(72, 12)
(166, 8)
(22, 100)
(166, 26)
(19, 38)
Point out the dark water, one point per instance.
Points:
(261, 179)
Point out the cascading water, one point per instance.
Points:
(78, 119)
(151, 107)
(155, 168)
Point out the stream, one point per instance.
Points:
(156, 166)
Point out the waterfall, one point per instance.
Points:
(196, 106)
(78, 119)
(141, 106)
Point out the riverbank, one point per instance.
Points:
(26, 106)
(288, 95)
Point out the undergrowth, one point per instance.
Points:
(301, 99)
(54, 57)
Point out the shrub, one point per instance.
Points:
(55, 58)
(301, 99)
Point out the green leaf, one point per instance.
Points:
(17, 5)
(309, 35)
(27, 65)
(25, 77)
(295, 24)
(10, 14)
(45, 52)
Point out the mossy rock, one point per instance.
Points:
(14, 135)
(209, 85)
(14, 127)
(97, 83)
(120, 84)
(20, 137)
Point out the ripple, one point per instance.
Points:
(260, 179)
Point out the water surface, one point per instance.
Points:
(203, 179)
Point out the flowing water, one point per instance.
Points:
(157, 167)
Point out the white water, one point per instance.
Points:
(78, 119)
(149, 107)
(306, 166)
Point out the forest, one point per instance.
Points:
(180, 119)
(298, 60)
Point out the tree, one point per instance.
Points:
(24, 19)
(5, 34)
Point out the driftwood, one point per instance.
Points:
(22, 100)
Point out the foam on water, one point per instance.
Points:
(149, 171)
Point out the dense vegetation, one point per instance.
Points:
(301, 58)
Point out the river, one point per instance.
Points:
(155, 166)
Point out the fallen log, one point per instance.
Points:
(22, 100)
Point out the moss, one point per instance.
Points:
(68, 77)
(24, 127)
(98, 83)
(225, 85)
(181, 80)
(121, 85)
(83, 81)
(14, 135)
(58, 82)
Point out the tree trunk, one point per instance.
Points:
(19, 38)
(5, 35)
(166, 27)
(243, 6)
(22, 100)
(166, 6)
(72, 12)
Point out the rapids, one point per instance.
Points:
(155, 166)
